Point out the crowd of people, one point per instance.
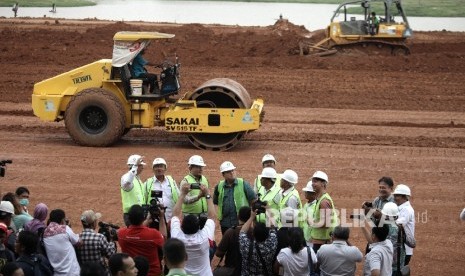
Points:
(170, 229)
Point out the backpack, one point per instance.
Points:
(37, 265)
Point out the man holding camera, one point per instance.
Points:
(140, 240)
(230, 195)
(385, 186)
(194, 203)
(268, 195)
(133, 190)
(196, 239)
(165, 184)
(94, 246)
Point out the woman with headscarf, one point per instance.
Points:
(40, 214)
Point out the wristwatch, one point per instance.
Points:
(208, 196)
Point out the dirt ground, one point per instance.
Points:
(357, 115)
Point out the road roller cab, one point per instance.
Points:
(100, 102)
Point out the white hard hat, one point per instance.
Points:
(7, 207)
(227, 166)
(133, 159)
(309, 187)
(158, 161)
(320, 175)
(268, 173)
(268, 157)
(390, 209)
(196, 160)
(402, 189)
(290, 176)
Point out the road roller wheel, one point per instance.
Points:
(219, 93)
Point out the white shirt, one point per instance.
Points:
(128, 178)
(407, 219)
(167, 199)
(197, 247)
(380, 257)
(338, 258)
(295, 264)
(61, 254)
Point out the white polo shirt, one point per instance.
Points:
(197, 247)
(407, 219)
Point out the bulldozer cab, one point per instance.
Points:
(354, 19)
(127, 45)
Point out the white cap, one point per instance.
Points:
(158, 161)
(227, 166)
(290, 176)
(390, 209)
(196, 160)
(269, 173)
(320, 175)
(268, 157)
(309, 187)
(7, 207)
(132, 160)
(402, 189)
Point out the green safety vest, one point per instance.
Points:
(174, 192)
(307, 213)
(269, 198)
(284, 200)
(320, 233)
(134, 196)
(240, 198)
(200, 206)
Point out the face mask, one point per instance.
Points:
(24, 201)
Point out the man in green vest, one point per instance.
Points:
(194, 203)
(307, 211)
(164, 184)
(324, 213)
(289, 204)
(268, 161)
(269, 193)
(132, 187)
(230, 195)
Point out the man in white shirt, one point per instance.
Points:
(59, 240)
(164, 183)
(378, 262)
(339, 258)
(196, 239)
(406, 215)
(290, 204)
(133, 189)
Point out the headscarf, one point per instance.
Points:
(40, 214)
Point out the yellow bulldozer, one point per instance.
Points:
(100, 102)
(356, 23)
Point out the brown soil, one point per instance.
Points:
(358, 115)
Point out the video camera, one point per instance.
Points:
(3, 166)
(108, 230)
(195, 186)
(154, 208)
(259, 206)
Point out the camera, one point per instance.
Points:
(259, 206)
(3, 166)
(195, 186)
(156, 194)
(368, 204)
(154, 209)
(108, 230)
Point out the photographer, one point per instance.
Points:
(230, 195)
(197, 240)
(164, 183)
(385, 186)
(139, 240)
(94, 246)
(194, 203)
(268, 194)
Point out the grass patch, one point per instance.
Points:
(48, 3)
